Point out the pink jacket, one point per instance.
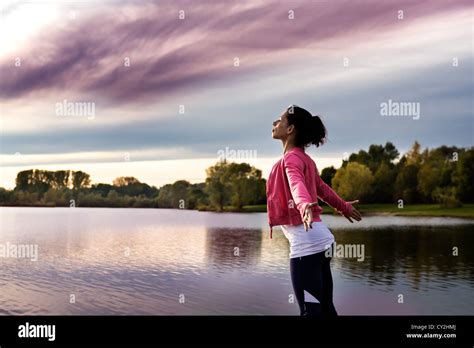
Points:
(294, 182)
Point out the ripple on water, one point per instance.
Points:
(83, 253)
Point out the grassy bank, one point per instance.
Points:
(466, 211)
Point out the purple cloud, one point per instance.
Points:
(87, 57)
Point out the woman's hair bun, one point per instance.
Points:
(310, 129)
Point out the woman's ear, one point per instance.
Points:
(290, 129)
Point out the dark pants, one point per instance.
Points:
(313, 274)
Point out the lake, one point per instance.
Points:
(168, 261)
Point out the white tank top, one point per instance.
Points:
(302, 243)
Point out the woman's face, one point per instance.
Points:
(281, 129)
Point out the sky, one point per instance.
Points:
(170, 85)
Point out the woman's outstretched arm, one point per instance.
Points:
(328, 195)
(294, 170)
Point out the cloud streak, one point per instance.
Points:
(169, 55)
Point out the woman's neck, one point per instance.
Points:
(287, 146)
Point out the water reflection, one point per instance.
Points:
(410, 255)
(173, 253)
(232, 248)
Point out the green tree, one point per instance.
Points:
(113, 199)
(353, 181)
(173, 195)
(179, 194)
(413, 156)
(164, 198)
(102, 189)
(197, 196)
(436, 169)
(80, 180)
(428, 178)
(24, 180)
(5, 196)
(60, 179)
(327, 174)
(36, 180)
(376, 155)
(243, 181)
(125, 180)
(384, 183)
(463, 175)
(216, 187)
(51, 197)
(407, 182)
(130, 186)
(236, 183)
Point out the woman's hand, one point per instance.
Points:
(308, 216)
(355, 213)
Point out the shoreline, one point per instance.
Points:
(418, 210)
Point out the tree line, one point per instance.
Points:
(227, 184)
(443, 175)
(379, 175)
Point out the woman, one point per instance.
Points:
(293, 189)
